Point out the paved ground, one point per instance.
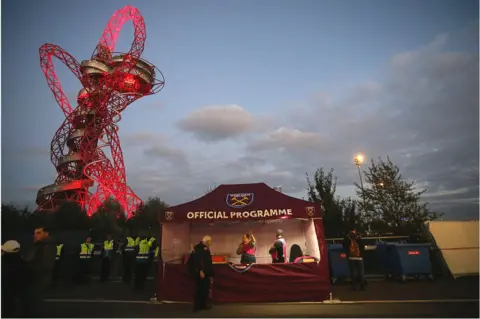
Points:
(462, 288)
(122, 310)
(441, 298)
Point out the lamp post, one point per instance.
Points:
(359, 159)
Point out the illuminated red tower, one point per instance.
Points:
(80, 147)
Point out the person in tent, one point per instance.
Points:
(279, 249)
(202, 272)
(128, 256)
(247, 249)
(141, 262)
(85, 260)
(352, 244)
(108, 253)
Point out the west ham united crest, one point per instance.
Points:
(310, 211)
(168, 215)
(239, 200)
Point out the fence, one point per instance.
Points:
(72, 241)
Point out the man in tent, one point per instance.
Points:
(279, 249)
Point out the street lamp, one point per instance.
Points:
(359, 159)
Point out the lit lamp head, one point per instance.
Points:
(359, 158)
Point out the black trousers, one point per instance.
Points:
(357, 274)
(141, 269)
(84, 266)
(105, 270)
(57, 271)
(128, 264)
(202, 292)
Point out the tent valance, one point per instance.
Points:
(241, 202)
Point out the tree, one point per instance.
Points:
(146, 217)
(69, 216)
(15, 221)
(339, 214)
(391, 200)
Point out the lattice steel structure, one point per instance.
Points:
(111, 81)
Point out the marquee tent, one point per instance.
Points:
(225, 214)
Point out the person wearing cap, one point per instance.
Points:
(278, 251)
(14, 278)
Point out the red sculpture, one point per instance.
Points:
(111, 81)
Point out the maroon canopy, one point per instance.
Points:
(241, 202)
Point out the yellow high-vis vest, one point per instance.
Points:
(86, 250)
(59, 251)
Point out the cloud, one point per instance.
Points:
(215, 123)
(172, 155)
(421, 111)
(142, 139)
(286, 139)
(423, 114)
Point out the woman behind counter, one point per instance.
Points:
(247, 249)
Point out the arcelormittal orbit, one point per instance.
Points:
(111, 81)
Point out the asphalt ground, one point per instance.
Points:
(441, 298)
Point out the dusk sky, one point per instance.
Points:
(261, 91)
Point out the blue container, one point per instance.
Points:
(338, 262)
(405, 260)
(385, 254)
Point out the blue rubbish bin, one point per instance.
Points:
(338, 263)
(385, 252)
(406, 260)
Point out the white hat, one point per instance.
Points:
(11, 246)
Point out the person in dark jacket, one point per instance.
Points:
(41, 261)
(203, 273)
(352, 244)
(278, 251)
(14, 279)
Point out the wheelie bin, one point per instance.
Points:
(385, 253)
(412, 260)
(405, 260)
(338, 262)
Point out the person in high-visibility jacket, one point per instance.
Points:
(108, 253)
(85, 259)
(151, 255)
(141, 262)
(155, 262)
(128, 256)
(57, 268)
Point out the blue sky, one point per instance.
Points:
(294, 77)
